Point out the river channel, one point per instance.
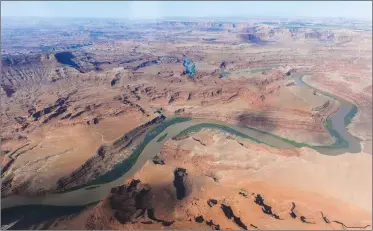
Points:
(17, 207)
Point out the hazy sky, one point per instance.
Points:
(157, 9)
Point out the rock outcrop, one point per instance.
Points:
(180, 176)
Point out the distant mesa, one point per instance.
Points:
(253, 38)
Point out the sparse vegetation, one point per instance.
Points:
(162, 137)
(92, 187)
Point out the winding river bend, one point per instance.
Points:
(19, 207)
(338, 123)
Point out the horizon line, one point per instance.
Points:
(209, 17)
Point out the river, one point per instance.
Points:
(337, 121)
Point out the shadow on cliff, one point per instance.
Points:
(66, 58)
(257, 120)
(147, 203)
(132, 202)
(253, 39)
(29, 215)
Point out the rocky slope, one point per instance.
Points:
(105, 158)
(95, 167)
(201, 184)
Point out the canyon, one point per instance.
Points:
(237, 125)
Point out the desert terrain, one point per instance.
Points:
(187, 125)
